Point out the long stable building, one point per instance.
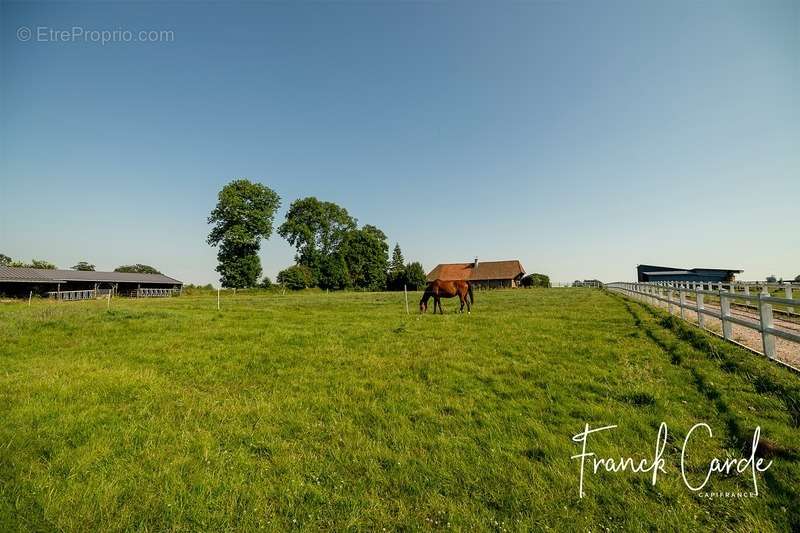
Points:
(653, 273)
(21, 281)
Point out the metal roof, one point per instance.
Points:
(667, 272)
(42, 275)
(690, 270)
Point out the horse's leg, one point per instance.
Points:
(461, 297)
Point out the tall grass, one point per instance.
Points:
(331, 411)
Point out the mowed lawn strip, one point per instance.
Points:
(339, 410)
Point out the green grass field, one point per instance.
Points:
(333, 411)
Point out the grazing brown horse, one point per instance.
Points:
(447, 289)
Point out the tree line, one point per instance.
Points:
(332, 251)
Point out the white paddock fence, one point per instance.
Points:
(683, 297)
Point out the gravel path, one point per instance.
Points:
(786, 351)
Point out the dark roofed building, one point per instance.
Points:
(20, 281)
(653, 273)
(494, 274)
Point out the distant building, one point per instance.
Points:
(487, 274)
(21, 281)
(652, 273)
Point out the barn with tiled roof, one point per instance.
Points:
(487, 274)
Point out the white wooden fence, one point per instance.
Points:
(690, 296)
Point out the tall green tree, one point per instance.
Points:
(244, 215)
(365, 253)
(398, 263)
(317, 229)
(84, 266)
(4, 260)
(396, 275)
(314, 227)
(239, 265)
(330, 272)
(415, 277)
(138, 268)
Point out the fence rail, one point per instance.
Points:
(72, 295)
(691, 297)
(154, 293)
(89, 294)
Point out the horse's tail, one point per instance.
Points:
(471, 297)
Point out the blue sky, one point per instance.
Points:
(580, 137)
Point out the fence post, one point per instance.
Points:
(405, 291)
(682, 302)
(725, 315)
(767, 338)
(218, 289)
(699, 309)
(669, 299)
(746, 293)
(787, 291)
